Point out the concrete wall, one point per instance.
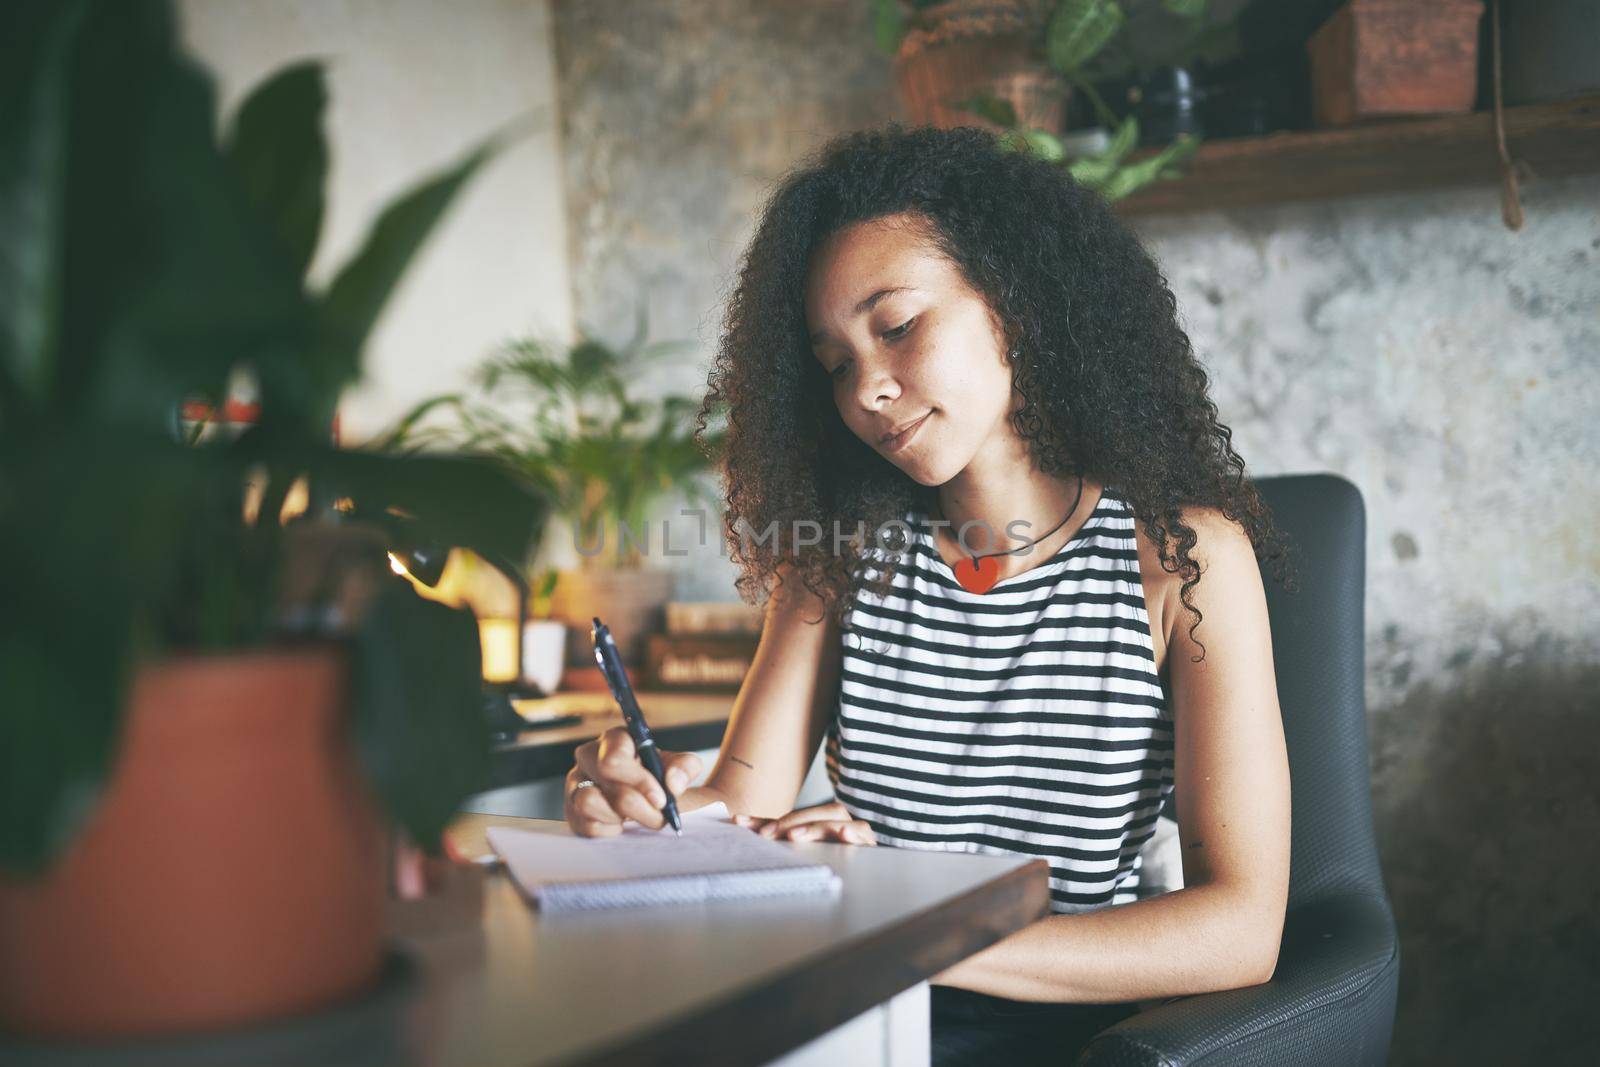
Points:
(675, 117)
(413, 85)
(1448, 367)
(1410, 343)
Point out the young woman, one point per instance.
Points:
(1034, 608)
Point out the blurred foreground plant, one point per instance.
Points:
(144, 265)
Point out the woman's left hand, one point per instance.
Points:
(821, 822)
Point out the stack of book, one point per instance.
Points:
(706, 646)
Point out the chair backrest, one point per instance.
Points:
(1319, 652)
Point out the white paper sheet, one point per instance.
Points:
(715, 859)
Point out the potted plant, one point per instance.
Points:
(563, 419)
(1082, 44)
(947, 51)
(216, 700)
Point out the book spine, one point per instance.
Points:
(712, 617)
(707, 663)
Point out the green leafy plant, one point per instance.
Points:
(1106, 170)
(562, 419)
(1078, 32)
(1085, 41)
(144, 264)
(889, 20)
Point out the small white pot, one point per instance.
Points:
(544, 643)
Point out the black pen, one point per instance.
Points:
(605, 653)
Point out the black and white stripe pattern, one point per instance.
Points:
(1027, 719)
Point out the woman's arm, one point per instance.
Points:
(782, 709)
(777, 722)
(1222, 930)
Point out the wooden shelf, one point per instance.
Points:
(1380, 157)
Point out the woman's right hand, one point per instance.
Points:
(623, 788)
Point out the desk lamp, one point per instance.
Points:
(425, 563)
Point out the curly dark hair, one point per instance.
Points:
(1110, 384)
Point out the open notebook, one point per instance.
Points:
(715, 859)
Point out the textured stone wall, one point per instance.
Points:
(1450, 368)
(676, 117)
(1446, 366)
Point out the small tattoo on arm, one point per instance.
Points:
(736, 759)
(1197, 844)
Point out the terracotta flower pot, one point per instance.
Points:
(955, 50)
(1380, 59)
(233, 872)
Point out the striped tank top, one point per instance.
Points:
(1028, 719)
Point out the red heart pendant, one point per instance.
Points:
(978, 575)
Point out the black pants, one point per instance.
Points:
(976, 1028)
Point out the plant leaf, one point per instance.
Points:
(404, 431)
(276, 143)
(171, 279)
(358, 295)
(888, 25)
(1097, 169)
(1130, 179)
(990, 107)
(416, 668)
(94, 518)
(33, 102)
(1093, 170)
(1189, 9)
(1124, 140)
(590, 362)
(1078, 30)
(446, 495)
(1047, 146)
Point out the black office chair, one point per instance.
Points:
(1332, 997)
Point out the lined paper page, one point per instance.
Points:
(713, 860)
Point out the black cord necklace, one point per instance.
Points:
(968, 572)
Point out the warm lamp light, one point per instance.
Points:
(498, 639)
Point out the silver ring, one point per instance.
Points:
(581, 784)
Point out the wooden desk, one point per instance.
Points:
(681, 721)
(738, 982)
